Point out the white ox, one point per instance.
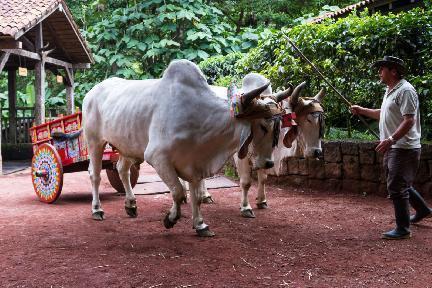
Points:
(303, 140)
(178, 126)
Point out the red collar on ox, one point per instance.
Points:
(288, 119)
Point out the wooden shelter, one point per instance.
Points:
(39, 35)
(382, 6)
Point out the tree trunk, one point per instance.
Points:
(239, 23)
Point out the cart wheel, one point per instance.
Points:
(115, 181)
(47, 173)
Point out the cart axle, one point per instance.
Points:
(41, 173)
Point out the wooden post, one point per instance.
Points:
(39, 78)
(4, 56)
(70, 97)
(12, 105)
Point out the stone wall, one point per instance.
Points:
(350, 167)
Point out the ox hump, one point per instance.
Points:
(254, 80)
(185, 72)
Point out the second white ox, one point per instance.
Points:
(303, 140)
(178, 126)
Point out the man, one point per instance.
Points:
(399, 125)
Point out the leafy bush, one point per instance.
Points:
(219, 66)
(139, 41)
(341, 133)
(343, 50)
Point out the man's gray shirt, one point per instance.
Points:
(399, 101)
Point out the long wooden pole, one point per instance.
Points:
(328, 83)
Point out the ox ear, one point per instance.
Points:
(290, 136)
(245, 140)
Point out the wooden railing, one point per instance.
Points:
(24, 120)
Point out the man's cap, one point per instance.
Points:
(391, 61)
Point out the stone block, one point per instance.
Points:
(370, 173)
(367, 146)
(351, 167)
(382, 171)
(382, 191)
(333, 170)
(367, 157)
(349, 148)
(426, 152)
(379, 157)
(370, 188)
(430, 168)
(295, 180)
(283, 167)
(303, 167)
(317, 184)
(316, 168)
(423, 174)
(292, 165)
(332, 152)
(333, 185)
(426, 190)
(351, 186)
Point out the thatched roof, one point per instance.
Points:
(19, 17)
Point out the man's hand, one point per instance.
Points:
(356, 109)
(383, 146)
(371, 113)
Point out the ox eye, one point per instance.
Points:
(310, 118)
(265, 130)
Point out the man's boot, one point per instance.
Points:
(401, 207)
(419, 205)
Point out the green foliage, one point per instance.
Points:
(54, 92)
(279, 13)
(341, 133)
(139, 41)
(227, 80)
(219, 66)
(343, 51)
(230, 171)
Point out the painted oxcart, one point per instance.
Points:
(59, 147)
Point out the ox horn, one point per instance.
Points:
(249, 96)
(279, 96)
(296, 93)
(320, 96)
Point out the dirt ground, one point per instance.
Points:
(305, 239)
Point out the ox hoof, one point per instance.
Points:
(248, 213)
(131, 211)
(98, 216)
(168, 223)
(205, 232)
(207, 200)
(262, 205)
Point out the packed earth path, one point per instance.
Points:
(306, 238)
